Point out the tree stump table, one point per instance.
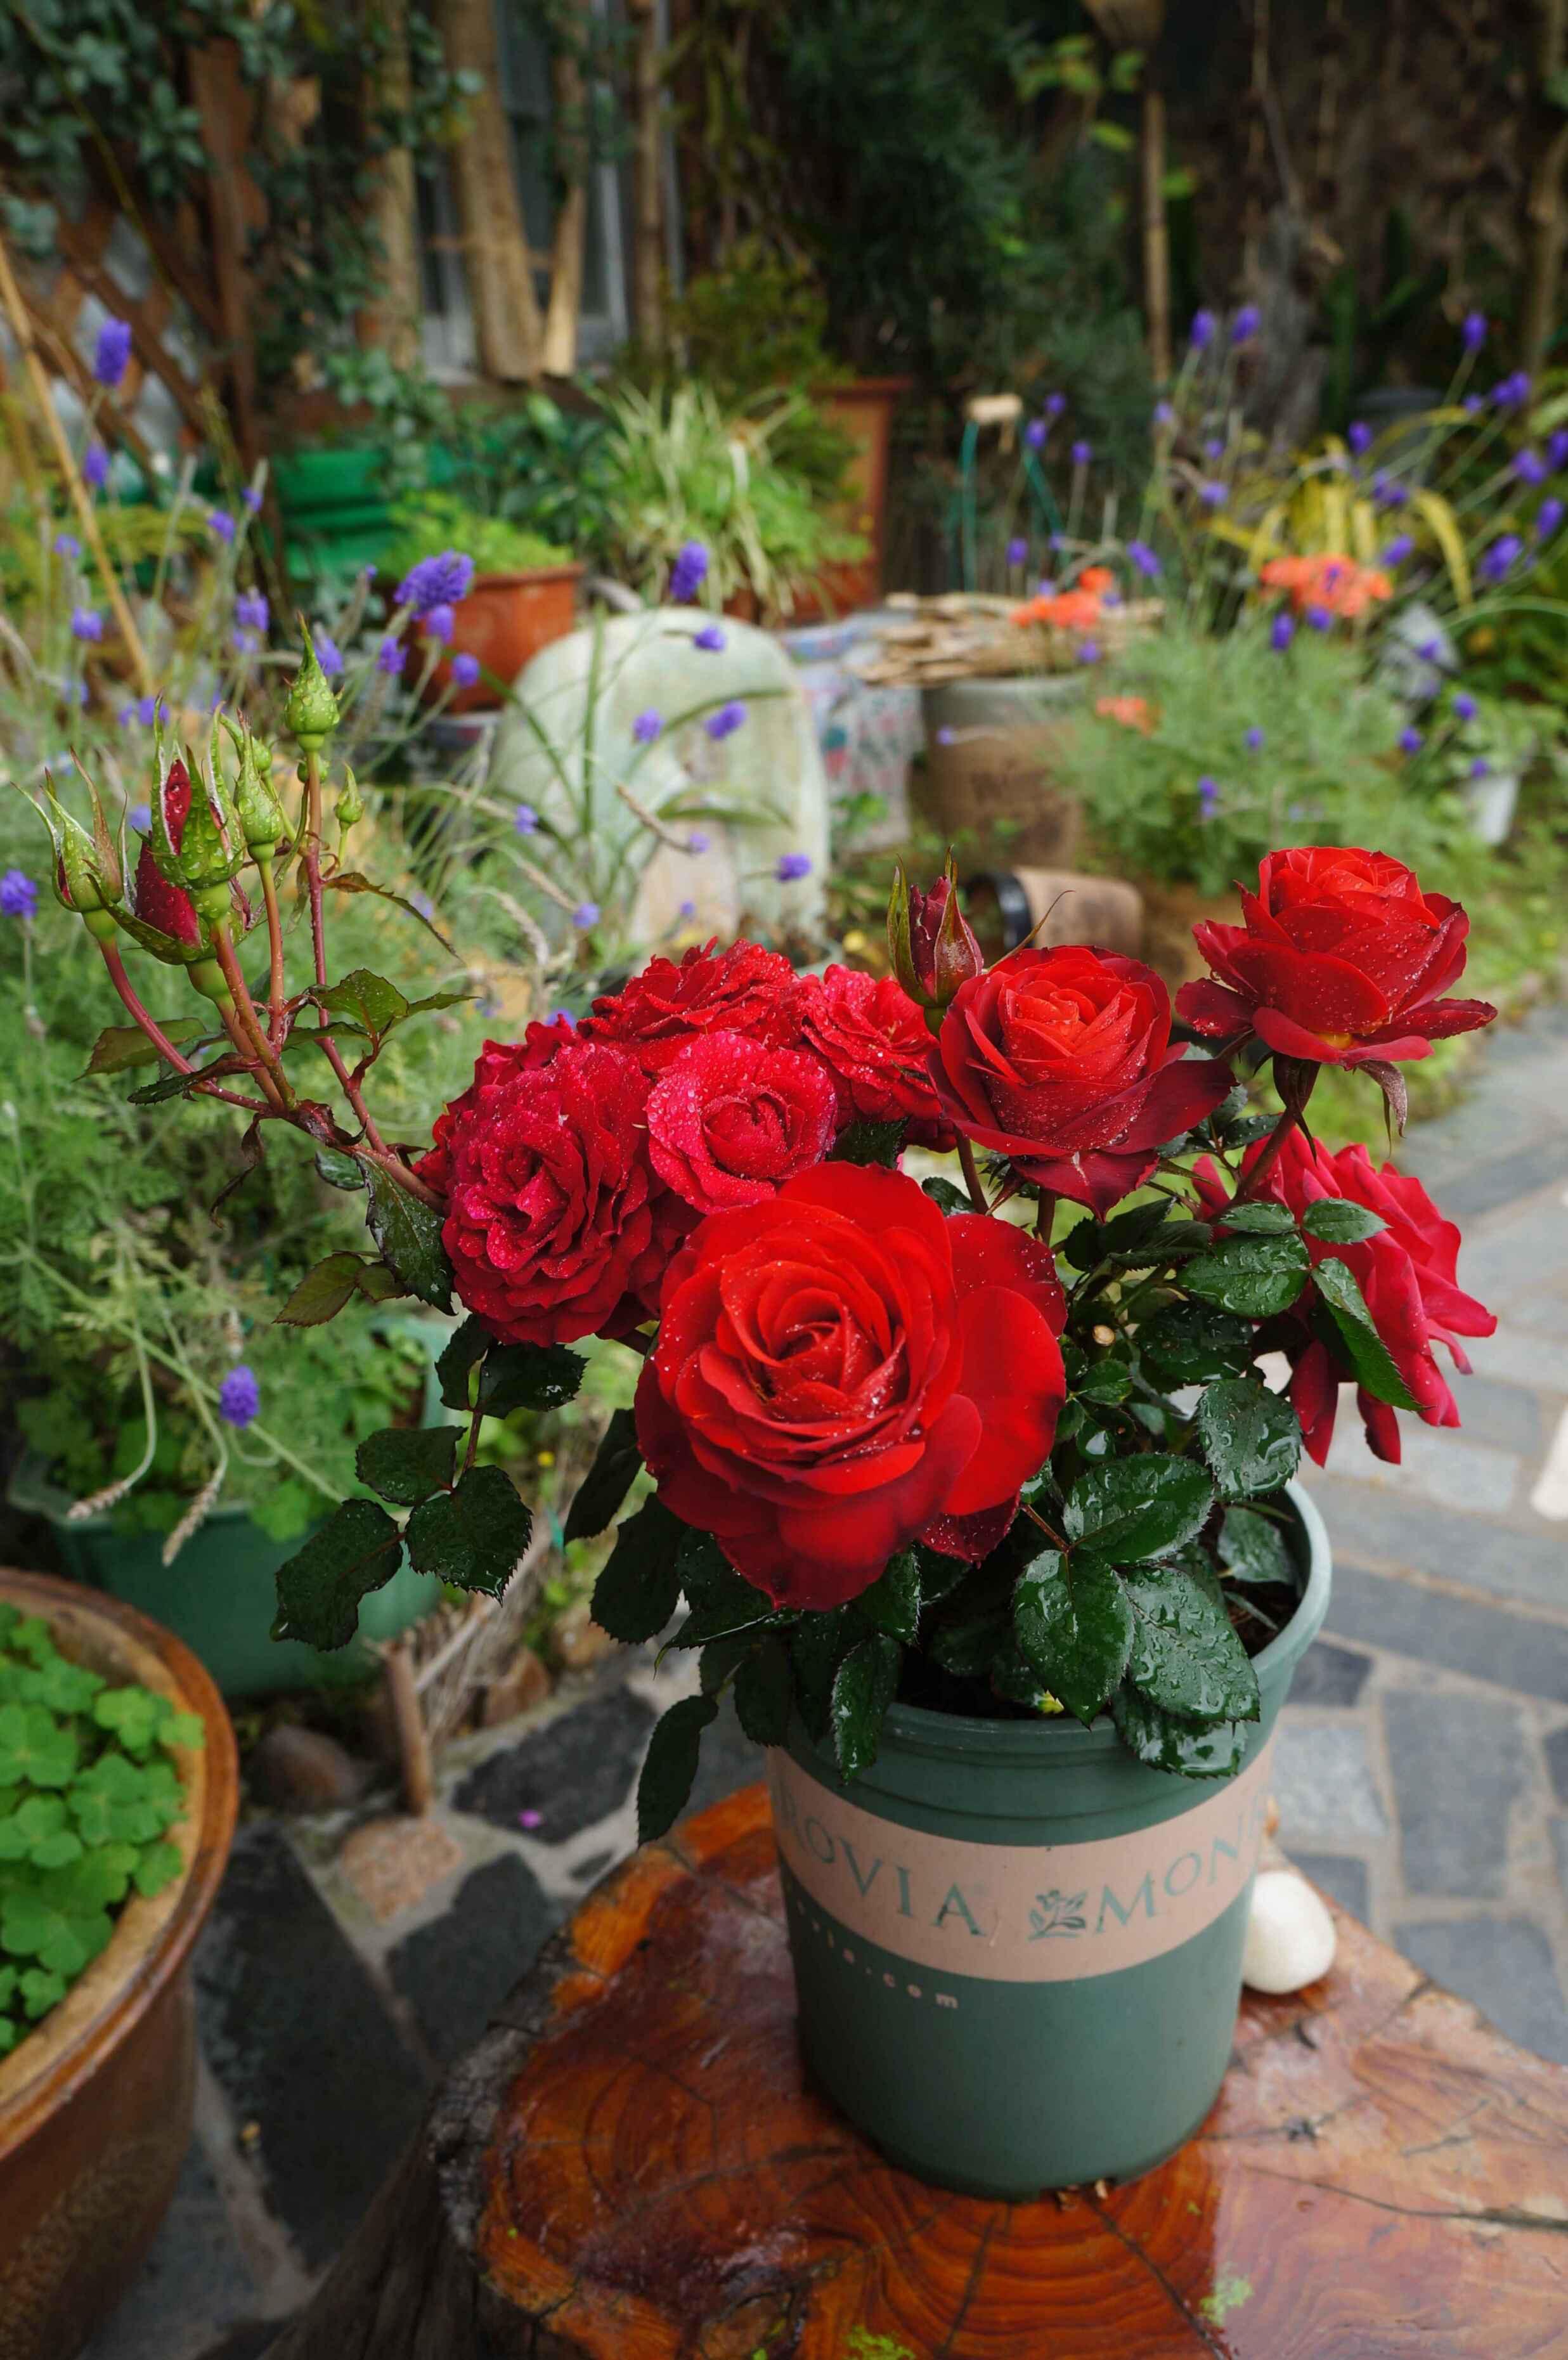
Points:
(631, 2166)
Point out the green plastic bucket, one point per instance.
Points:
(1016, 1949)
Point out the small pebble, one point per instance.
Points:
(1290, 1934)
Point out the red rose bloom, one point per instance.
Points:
(1342, 960)
(742, 990)
(872, 1040)
(497, 1063)
(1406, 1272)
(730, 1120)
(841, 1372)
(154, 899)
(1062, 1060)
(550, 1225)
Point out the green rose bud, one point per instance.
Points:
(261, 816)
(86, 871)
(311, 711)
(350, 805)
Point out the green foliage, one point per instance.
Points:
(431, 522)
(87, 1796)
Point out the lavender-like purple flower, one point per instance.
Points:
(252, 499)
(1386, 493)
(1253, 740)
(1463, 707)
(1213, 447)
(1358, 436)
(1512, 392)
(1281, 632)
(1045, 587)
(586, 914)
(1557, 449)
(1213, 494)
(1208, 796)
(95, 466)
(699, 841)
(440, 623)
(1549, 515)
(389, 656)
(465, 670)
(18, 895)
(525, 819)
(710, 639)
(1472, 331)
(112, 354)
(436, 583)
(1398, 549)
(239, 1397)
(245, 643)
(1035, 433)
(688, 572)
(87, 623)
(1088, 652)
(726, 721)
(329, 655)
(1017, 549)
(151, 709)
(1472, 404)
(687, 909)
(1164, 413)
(1318, 618)
(1504, 553)
(221, 525)
(647, 726)
(1530, 466)
(140, 817)
(1055, 403)
(1480, 767)
(252, 611)
(944, 736)
(1081, 454)
(66, 545)
(1143, 560)
(1201, 334)
(1246, 324)
(790, 867)
(1410, 740)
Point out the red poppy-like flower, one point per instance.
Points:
(841, 1372)
(1406, 1272)
(1342, 960)
(872, 1040)
(550, 1224)
(1062, 1060)
(730, 1120)
(742, 990)
(498, 1063)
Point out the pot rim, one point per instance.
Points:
(152, 1938)
(964, 1737)
(33, 1490)
(516, 576)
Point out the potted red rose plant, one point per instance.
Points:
(975, 1497)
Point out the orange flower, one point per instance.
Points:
(1098, 578)
(1132, 712)
(1337, 584)
(1069, 610)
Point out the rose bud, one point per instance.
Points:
(261, 816)
(310, 711)
(929, 941)
(1342, 960)
(85, 869)
(163, 917)
(1061, 1060)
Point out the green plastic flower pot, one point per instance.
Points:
(1018, 1949)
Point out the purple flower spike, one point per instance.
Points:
(87, 623)
(1464, 707)
(239, 1397)
(1201, 334)
(1472, 331)
(1017, 549)
(1055, 403)
(586, 914)
(1281, 632)
(1480, 767)
(1410, 741)
(465, 670)
(790, 867)
(1557, 449)
(1164, 413)
(1143, 559)
(436, 584)
(1208, 796)
(647, 726)
(699, 841)
(1213, 495)
(1035, 433)
(1213, 447)
(18, 895)
(66, 545)
(1549, 515)
(389, 656)
(1398, 549)
(329, 655)
(1082, 453)
(1253, 738)
(1386, 493)
(1246, 324)
(112, 355)
(525, 819)
(1512, 392)
(1530, 466)
(95, 466)
(1358, 436)
(726, 721)
(440, 623)
(688, 572)
(1318, 618)
(1088, 652)
(944, 736)
(1472, 404)
(252, 499)
(710, 639)
(1503, 554)
(221, 525)
(687, 909)
(140, 817)
(252, 612)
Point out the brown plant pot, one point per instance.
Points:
(861, 408)
(95, 2105)
(505, 620)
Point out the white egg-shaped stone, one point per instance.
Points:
(1290, 1934)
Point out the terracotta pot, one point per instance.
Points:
(862, 409)
(505, 620)
(95, 2105)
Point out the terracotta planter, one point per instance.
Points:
(862, 409)
(95, 2105)
(505, 620)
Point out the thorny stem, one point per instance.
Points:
(1046, 1215)
(145, 1023)
(275, 990)
(1294, 1106)
(407, 1180)
(264, 1055)
(972, 1175)
(1052, 1536)
(246, 1047)
(311, 850)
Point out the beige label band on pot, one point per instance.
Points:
(1021, 1913)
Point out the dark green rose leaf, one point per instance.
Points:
(939, 1574)
(893, 1601)
(863, 1689)
(1104, 1381)
(818, 1645)
(357, 1550)
(670, 1768)
(406, 1464)
(639, 1588)
(1251, 1437)
(338, 1170)
(721, 1600)
(172, 1086)
(1136, 1508)
(349, 881)
(408, 1232)
(472, 1536)
(1363, 1346)
(1185, 1655)
(1255, 1277)
(607, 1481)
(323, 1291)
(467, 1344)
(1264, 1218)
(966, 1642)
(528, 1376)
(1341, 1222)
(943, 1195)
(1165, 1741)
(1189, 1343)
(1074, 1625)
(865, 1142)
(764, 1692)
(120, 1046)
(1248, 1128)
(366, 1000)
(1252, 1548)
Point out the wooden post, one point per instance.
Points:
(494, 238)
(408, 1726)
(559, 353)
(235, 207)
(1546, 211)
(393, 321)
(1156, 238)
(648, 177)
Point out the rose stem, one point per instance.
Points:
(246, 1015)
(243, 1044)
(971, 1175)
(160, 1041)
(276, 994)
(1045, 1217)
(1052, 1536)
(346, 1082)
(1292, 1116)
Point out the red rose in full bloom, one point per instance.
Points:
(551, 1221)
(742, 990)
(1406, 1272)
(1062, 1060)
(872, 1040)
(497, 1063)
(841, 1372)
(730, 1120)
(1343, 960)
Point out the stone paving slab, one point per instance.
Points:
(1422, 1776)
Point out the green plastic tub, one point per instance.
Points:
(1017, 1950)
